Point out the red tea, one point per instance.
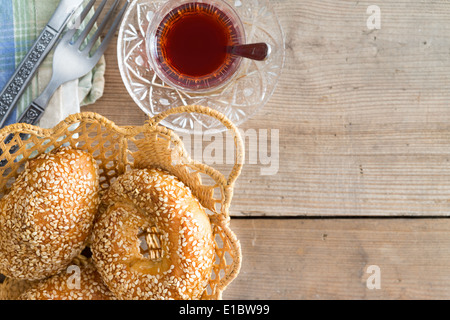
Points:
(192, 44)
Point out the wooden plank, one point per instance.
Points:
(362, 115)
(329, 259)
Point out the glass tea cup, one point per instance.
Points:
(188, 41)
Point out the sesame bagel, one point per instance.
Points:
(80, 281)
(48, 214)
(151, 198)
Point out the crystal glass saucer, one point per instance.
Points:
(249, 91)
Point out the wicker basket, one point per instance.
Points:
(117, 149)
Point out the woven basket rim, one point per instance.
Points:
(151, 125)
(135, 130)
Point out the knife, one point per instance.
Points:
(13, 90)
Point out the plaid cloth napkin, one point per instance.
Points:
(21, 22)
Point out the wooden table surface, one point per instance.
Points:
(363, 179)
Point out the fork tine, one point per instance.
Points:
(90, 24)
(112, 30)
(69, 34)
(101, 27)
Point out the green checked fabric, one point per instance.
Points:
(29, 17)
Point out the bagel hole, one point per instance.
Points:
(150, 243)
(86, 252)
(2, 278)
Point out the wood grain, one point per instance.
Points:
(287, 259)
(363, 121)
(363, 118)
(362, 115)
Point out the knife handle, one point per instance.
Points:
(32, 114)
(13, 90)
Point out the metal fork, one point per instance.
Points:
(71, 60)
